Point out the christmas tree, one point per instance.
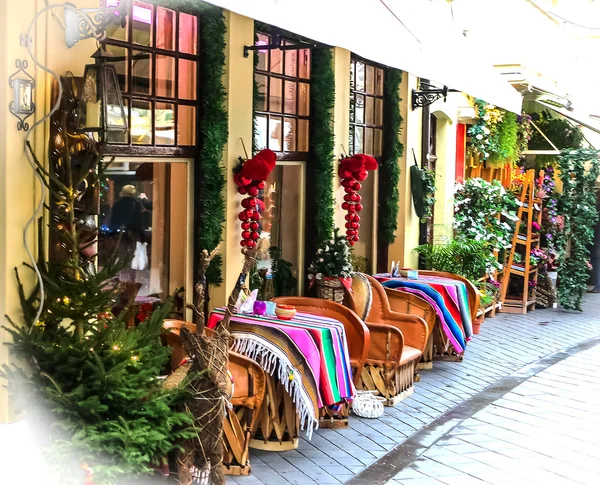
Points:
(92, 383)
(332, 259)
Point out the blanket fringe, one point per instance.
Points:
(274, 363)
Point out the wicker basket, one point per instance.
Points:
(330, 289)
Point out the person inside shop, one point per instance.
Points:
(126, 215)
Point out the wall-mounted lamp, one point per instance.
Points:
(85, 23)
(428, 94)
(466, 113)
(22, 105)
(100, 104)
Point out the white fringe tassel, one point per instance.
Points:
(271, 360)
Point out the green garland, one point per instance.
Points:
(322, 99)
(577, 204)
(213, 125)
(389, 170)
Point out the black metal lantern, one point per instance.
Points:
(100, 103)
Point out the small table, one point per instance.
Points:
(308, 363)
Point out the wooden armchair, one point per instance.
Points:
(249, 384)
(391, 365)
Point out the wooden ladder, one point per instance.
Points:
(532, 208)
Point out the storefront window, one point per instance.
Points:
(143, 211)
(156, 56)
(366, 108)
(283, 99)
(281, 235)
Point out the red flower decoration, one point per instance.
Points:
(351, 170)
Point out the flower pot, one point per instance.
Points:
(330, 289)
(477, 324)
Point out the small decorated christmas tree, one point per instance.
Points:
(91, 382)
(331, 269)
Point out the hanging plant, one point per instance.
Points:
(524, 133)
(579, 170)
(422, 184)
(506, 150)
(483, 135)
(485, 212)
(352, 171)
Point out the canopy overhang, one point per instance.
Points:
(386, 32)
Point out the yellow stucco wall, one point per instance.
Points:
(407, 236)
(17, 194)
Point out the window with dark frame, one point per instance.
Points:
(366, 108)
(282, 104)
(157, 56)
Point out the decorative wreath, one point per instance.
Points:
(250, 178)
(352, 171)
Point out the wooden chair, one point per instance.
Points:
(411, 304)
(397, 341)
(249, 381)
(358, 336)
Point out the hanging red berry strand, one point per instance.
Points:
(352, 171)
(250, 179)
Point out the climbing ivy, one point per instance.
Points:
(579, 170)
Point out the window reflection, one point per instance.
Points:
(281, 231)
(143, 215)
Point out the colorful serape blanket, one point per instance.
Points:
(449, 299)
(320, 340)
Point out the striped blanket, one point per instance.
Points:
(449, 299)
(313, 345)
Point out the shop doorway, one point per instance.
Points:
(145, 209)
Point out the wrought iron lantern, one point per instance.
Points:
(100, 103)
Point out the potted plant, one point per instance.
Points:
(331, 269)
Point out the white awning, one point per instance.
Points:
(397, 33)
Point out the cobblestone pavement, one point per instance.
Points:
(542, 432)
(506, 344)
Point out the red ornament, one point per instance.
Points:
(355, 237)
(246, 203)
(251, 244)
(255, 236)
(348, 217)
(349, 225)
(242, 215)
(356, 217)
(260, 185)
(253, 191)
(361, 175)
(246, 226)
(243, 243)
(348, 190)
(348, 197)
(242, 190)
(358, 207)
(254, 226)
(255, 215)
(353, 225)
(354, 197)
(351, 207)
(246, 235)
(351, 242)
(346, 206)
(357, 186)
(347, 183)
(252, 202)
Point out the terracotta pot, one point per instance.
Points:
(477, 325)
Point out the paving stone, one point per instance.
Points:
(510, 429)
